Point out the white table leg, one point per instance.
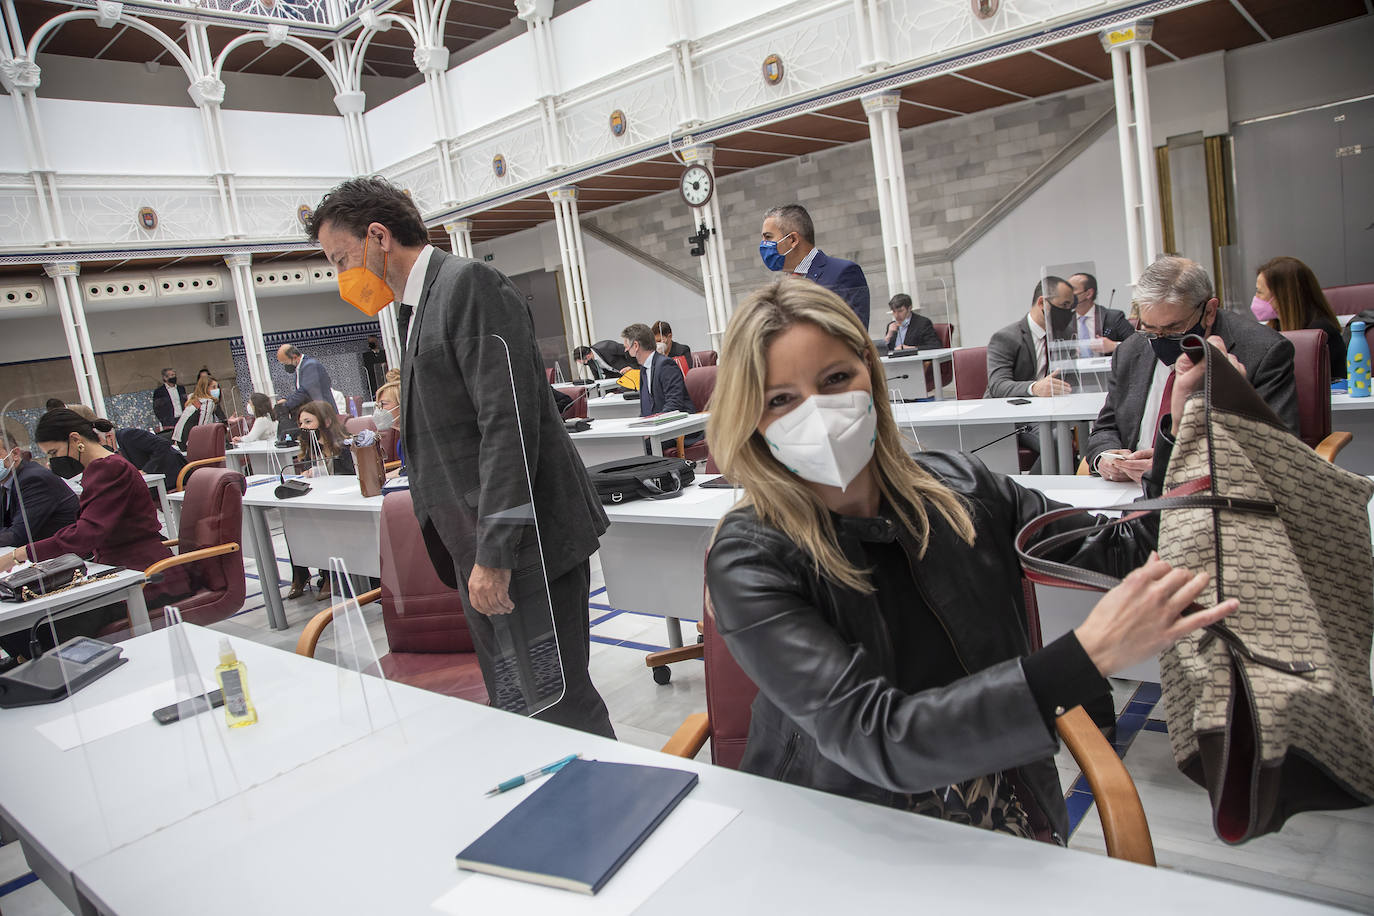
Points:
(169, 519)
(266, 556)
(233, 462)
(138, 609)
(1064, 436)
(937, 377)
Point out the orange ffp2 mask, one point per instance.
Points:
(363, 289)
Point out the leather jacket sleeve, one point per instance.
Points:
(981, 723)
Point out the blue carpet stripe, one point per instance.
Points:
(1130, 722)
(627, 644)
(605, 617)
(597, 592)
(9, 887)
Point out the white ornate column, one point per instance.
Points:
(683, 76)
(71, 306)
(351, 105)
(250, 323)
(21, 78)
(714, 275)
(569, 228)
(889, 172)
(536, 15)
(1126, 44)
(460, 235)
(870, 29)
(432, 61)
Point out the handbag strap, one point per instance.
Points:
(1051, 572)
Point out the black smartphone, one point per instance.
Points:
(1018, 401)
(169, 714)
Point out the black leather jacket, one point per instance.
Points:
(827, 714)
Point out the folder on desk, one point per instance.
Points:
(577, 829)
(658, 419)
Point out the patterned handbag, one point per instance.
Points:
(1270, 710)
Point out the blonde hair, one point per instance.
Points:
(391, 388)
(780, 498)
(392, 375)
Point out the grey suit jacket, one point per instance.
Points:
(1012, 363)
(477, 412)
(1266, 355)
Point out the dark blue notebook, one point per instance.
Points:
(579, 827)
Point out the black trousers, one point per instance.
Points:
(517, 651)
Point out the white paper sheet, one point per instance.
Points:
(681, 835)
(110, 717)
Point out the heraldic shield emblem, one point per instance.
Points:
(985, 9)
(618, 123)
(498, 165)
(147, 218)
(772, 69)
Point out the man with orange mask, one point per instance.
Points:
(508, 514)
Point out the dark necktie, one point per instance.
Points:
(403, 322)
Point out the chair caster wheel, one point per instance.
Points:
(701, 639)
(662, 674)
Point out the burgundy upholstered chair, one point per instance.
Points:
(578, 408)
(1312, 370)
(391, 439)
(204, 448)
(353, 405)
(355, 425)
(701, 384)
(730, 692)
(971, 372)
(703, 358)
(429, 645)
(211, 526)
(1350, 300)
(945, 332)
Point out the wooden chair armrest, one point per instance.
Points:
(391, 465)
(186, 471)
(1083, 469)
(182, 559)
(681, 446)
(1118, 804)
(672, 656)
(690, 736)
(172, 543)
(310, 636)
(1331, 446)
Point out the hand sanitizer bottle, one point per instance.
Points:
(232, 675)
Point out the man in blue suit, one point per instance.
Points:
(789, 243)
(34, 502)
(312, 381)
(662, 386)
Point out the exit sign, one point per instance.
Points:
(488, 257)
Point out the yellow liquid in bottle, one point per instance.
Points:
(238, 705)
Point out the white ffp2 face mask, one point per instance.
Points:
(826, 439)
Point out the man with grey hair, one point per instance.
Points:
(789, 244)
(1175, 299)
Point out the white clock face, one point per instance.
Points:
(696, 186)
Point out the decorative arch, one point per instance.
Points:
(309, 50)
(132, 22)
(359, 51)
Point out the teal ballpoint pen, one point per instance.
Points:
(516, 782)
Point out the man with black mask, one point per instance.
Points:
(1175, 299)
(1018, 355)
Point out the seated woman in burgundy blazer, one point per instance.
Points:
(117, 524)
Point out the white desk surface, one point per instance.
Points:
(75, 806)
(612, 405)
(1070, 407)
(373, 827)
(1084, 364)
(262, 448)
(337, 492)
(922, 356)
(153, 480)
(619, 428)
(1344, 401)
(19, 615)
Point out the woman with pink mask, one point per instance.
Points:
(1289, 298)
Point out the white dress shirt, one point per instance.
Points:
(177, 400)
(805, 264)
(415, 284)
(1038, 342)
(1149, 421)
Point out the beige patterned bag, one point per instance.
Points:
(1272, 710)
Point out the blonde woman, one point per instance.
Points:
(876, 599)
(201, 407)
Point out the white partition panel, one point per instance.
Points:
(273, 143)
(996, 275)
(400, 128)
(597, 39)
(104, 138)
(494, 84)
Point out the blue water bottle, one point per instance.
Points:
(1357, 362)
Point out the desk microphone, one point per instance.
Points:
(1017, 430)
(893, 378)
(1111, 298)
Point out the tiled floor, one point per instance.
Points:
(1327, 856)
